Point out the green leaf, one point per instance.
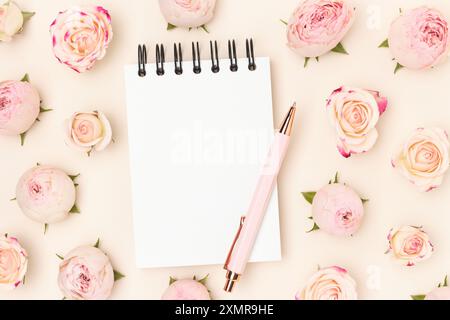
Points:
(74, 209)
(204, 28)
(282, 21)
(171, 280)
(336, 177)
(118, 275)
(59, 256)
(27, 15)
(309, 196)
(306, 62)
(203, 280)
(73, 177)
(397, 67)
(22, 138)
(418, 297)
(314, 228)
(25, 78)
(97, 244)
(45, 228)
(170, 26)
(42, 109)
(384, 44)
(339, 49)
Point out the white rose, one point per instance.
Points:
(354, 113)
(333, 283)
(13, 263)
(87, 131)
(424, 158)
(11, 21)
(187, 13)
(409, 245)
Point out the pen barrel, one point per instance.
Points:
(258, 206)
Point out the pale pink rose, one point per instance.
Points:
(409, 245)
(354, 114)
(86, 274)
(442, 293)
(186, 290)
(45, 194)
(80, 36)
(337, 209)
(19, 107)
(332, 283)
(419, 38)
(317, 26)
(13, 263)
(87, 131)
(11, 21)
(424, 158)
(187, 13)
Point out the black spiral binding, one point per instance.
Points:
(178, 57)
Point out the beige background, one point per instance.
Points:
(415, 99)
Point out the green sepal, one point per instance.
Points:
(418, 297)
(384, 44)
(45, 228)
(339, 49)
(171, 280)
(314, 228)
(22, 138)
(203, 26)
(398, 66)
(309, 196)
(306, 62)
(283, 21)
(74, 209)
(170, 26)
(27, 15)
(203, 280)
(73, 177)
(25, 78)
(97, 244)
(118, 275)
(59, 256)
(42, 109)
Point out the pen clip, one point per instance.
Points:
(241, 223)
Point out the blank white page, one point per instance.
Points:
(196, 143)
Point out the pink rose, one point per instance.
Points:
(354, 114)
(19, 107)
(186, 290)
(187, 13)
(317, 26)
(13, 263)
(333, 283)
(337, 210)
(45, 194)
(86, 274)
(442, 293)
(80, 36)
(87, 131)
(409, 245)
(424, 158)
(419, 38)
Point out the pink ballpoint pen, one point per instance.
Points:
(250, 224)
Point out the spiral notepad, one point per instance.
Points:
(198, 131)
